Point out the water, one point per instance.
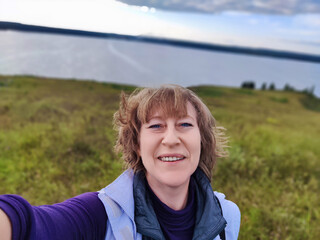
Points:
(144, 64)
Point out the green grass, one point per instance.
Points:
(311, 102)
(56, 141)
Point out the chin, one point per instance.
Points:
(176, 180)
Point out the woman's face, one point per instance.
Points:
(170, 149)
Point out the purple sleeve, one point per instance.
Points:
(81, 217)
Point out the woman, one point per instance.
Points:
(170, 143)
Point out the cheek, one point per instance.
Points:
(144, 145)
(198, 144)
(141, 142)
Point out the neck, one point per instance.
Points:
(174, 197)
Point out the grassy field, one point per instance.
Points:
(56, 141)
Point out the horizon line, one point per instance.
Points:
(4, 25)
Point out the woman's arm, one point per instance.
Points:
(5, 226)
(81, 217)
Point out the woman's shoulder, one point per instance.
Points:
(231, 213)
(227, 205)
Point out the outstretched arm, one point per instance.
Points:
(81, 217)
(5, 226)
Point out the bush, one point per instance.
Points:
(248, 84)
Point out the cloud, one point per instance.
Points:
(283, 7)
(309, 20)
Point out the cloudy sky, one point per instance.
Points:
(282, 7)
(290, 25)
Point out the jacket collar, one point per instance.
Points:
(121, 190)
(145, 218)
(209, 220)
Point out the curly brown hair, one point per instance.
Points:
(135, 109)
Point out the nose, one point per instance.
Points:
(171, 137)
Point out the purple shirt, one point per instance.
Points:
(84, 217)
(176, 225)
(81, 217)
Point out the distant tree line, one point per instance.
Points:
(251, 85)
(271, 87)
(248, 84)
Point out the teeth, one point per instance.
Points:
(170, 159)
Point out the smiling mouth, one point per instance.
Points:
(171, 159)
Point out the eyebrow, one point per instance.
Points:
(154, 117)
(188, 116)
(159, 117)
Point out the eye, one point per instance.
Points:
(186, 125)
(155, 126)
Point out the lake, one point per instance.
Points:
(144, 64)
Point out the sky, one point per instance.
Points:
(287, 25)
(280, 7)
